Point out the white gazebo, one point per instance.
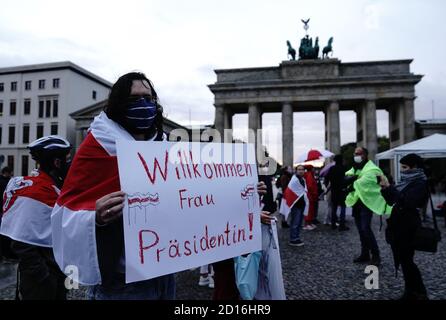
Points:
(433, 146)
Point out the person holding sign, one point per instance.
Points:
(87, 219)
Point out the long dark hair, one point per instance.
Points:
(115, 108)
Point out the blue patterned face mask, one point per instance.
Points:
(140, 115)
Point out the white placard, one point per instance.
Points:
(187, 205)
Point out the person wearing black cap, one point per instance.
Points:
(407, 197)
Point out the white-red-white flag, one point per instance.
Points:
(291, 195)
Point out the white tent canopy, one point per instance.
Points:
(433, 146)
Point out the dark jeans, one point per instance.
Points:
(363, 220)
(5, 248)
(334, 216)
(224, 281)
(297, 216)
(413, 283)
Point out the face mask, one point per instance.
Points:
(140, 115)
(357, 159)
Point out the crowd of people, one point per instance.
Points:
(73, 214)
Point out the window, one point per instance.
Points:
(1, 108)
(39, 133)
(25, 164)
(12, 108)
(2, 87)
(27, 85)
(54, 129)
(55, 107)
(93, 95)
(1, 133)
(25, 138)
(14, 86)
(27, 106)
(11, 162)
(48, 109)
(56, 83)
(11, 138)
(41, 107)
(41, 84)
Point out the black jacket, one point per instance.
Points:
(336, 176)
(268, 199)
(405, 217)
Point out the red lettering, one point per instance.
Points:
(194, 166)
(227, 234)
(181, 197)
(206, 240)
(187, 165)
(210, 199)
(158, 251)
(241, 232)
(195, 244)
(232, 167)
(221, 239)
(155, 166)
(239, 170)
(141, 242)
(219, 170)
(186, 247)
(206, 167)
(198, 201)
(182, 165)
(248, 168)
(212, 242)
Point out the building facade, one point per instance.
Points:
(36, 100)
(326, 85)
(425, 128)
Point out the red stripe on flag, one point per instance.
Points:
(93, 174)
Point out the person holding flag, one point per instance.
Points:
(295, 205)
(364, 195)
(27, 206)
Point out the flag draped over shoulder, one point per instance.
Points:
(291, 195)
(368, 190)
(27, 205)
(92, 175)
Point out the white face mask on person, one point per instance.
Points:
(357, 159)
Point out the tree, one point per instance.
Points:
(383, 143)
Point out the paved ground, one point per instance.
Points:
(322, 270)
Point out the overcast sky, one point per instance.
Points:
(178, 44)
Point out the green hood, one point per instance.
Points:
(367, 189)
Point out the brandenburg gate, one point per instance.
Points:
(326, 85)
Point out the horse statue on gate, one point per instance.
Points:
(291, 51)
(328, 49)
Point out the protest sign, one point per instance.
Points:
(187, 205)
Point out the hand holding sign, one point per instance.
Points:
(109, 207)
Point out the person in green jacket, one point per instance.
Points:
(364, 196)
